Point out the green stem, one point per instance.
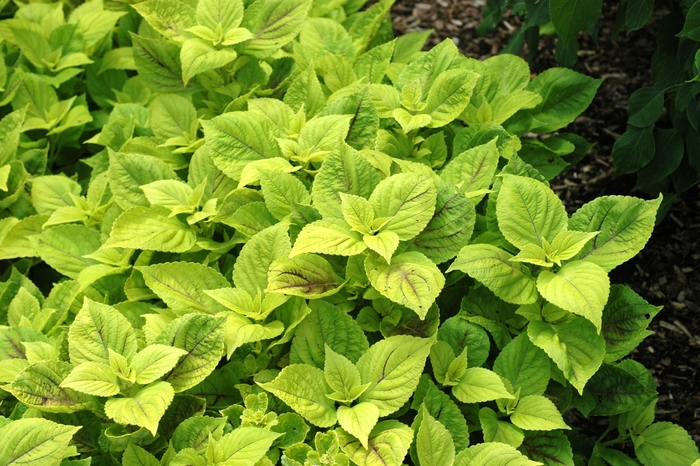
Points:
(616, 441)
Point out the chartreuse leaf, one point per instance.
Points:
(305, 92)
(393, 367)
(53, 192)
(35, 442)
(306, 275)
(341, 374)
(168, 18)
(434, 443)
(180, 285)
(536, 412)
(383, 243)
(493, 454)
(408, 199)
(39, 386)
(244, 446)
(664, 443)
(144, 409)
(304, 389)
(574, 345)
(57, 247)
(129, 172)
(273, 24)
(529, 212)
(494, 267)
(328, 236)
(343, 171)
(327, 325)
(154, 361)
(499, 431)
(567, 244)
(251, 269)
(92, 378)
(151, 229)
(449, 96)
(625, 225)
(227, 13)
(411, 280)
(97, 329)
(201, 336)
(137, 456)
(359, 420)
(450, 228)
(199, 55)
(579, 287)
(234, 139)
(357, 212)
(524, 365)
(281, 190)
(478, 385)
(388, 442)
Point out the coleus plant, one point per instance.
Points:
(290, 238)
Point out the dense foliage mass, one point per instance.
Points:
(664, 154)
(250, 233)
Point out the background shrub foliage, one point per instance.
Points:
(245, 233)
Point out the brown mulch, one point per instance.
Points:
(666, 273)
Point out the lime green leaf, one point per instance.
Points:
(158, 63)
(478, 385)
(524, 365)
(663, 443)
(499, 431)
(227, 13)
(39, 386)
(411, 280)
(528, 212)
(359, 420)
(181, 285)
(322, 134)
(450, 228)
(513, 72)
(57, 247)
(172, 116)
(449, 96)
(306, 92)
(433, 441)
(344, 171)
(341, 374)
(305, 275)
(374, 63)
(245, 446)
(16, 242)
(236, 138)
(274, 24)
(383, 243)
(536, 412)
(410, 122)
(327, 325)
(201, 336)
(251, 270)
(168, 18)
(198, 56)
(575, 347)
(329, 236)
(567, 244)
(473, 170)
(92, 378)
(493, 454)
(579, 287)
(366, 27)
(154, 361)
(35, 442)
(445, 410)
(409, 199)
(625, 225)
(357, 212)
(393, 367)
(53, 192)
(151, 229)
(281, 190)
(304, 389)
(533, 254)
(10, 127)
(129, 172)
(145, 408)
(137, 456)
(388, 442)
(493, 267)
(97, 329)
